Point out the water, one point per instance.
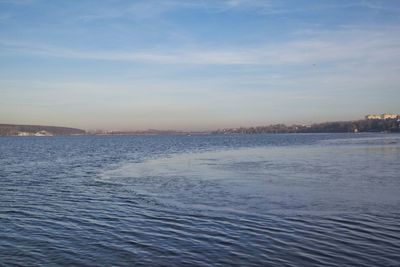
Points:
(229, 200)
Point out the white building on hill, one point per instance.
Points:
(384, 116)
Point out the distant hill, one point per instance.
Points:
(27, 130)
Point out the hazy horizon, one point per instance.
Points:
(196, 65)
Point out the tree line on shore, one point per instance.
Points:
(389, 125)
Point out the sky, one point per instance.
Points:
(197, 64)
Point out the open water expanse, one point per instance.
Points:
(212, 200)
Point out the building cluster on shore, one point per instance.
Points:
(39, 133)
(384, 116)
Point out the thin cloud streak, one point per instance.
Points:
(152, 9)
(324, 47)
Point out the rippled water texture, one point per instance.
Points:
(231, 200)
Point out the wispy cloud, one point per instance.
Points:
(153, 9)
(247, 4)
(284, 7)
(135, 10)
(379, 5)
(347, 46)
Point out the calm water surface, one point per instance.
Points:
(231, 200)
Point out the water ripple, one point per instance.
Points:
(268, 200)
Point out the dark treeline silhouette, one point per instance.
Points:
(389, 125)
(11, 129)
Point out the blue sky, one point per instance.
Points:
(196, 64)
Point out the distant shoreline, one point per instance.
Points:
(359, 126)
